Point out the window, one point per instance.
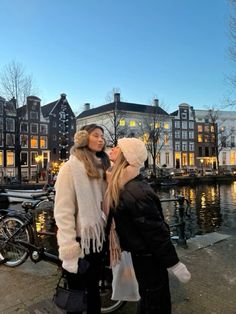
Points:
(10, 125)
(34, 128)
(157, 125)
(191, 159)
(1, 158)
(184, 146)
(191, 125)
(167, 158)
(191, 146)
(34, 115)
(184, 125)
(158, 158)
(132, 123)
(212, 128)
(207, 151)
(166, 125)
(184, 159)
(10, 158)
(191, 135)
(232, 158)
(43, 128)
(184, 115)
(24, 140)
(177, 124)
(62, 115)
(206, 138)
(199, 128)
(199, 138)
(55, 138)
(10, 139)
(24, 158)
(232, 140)
(34, 141)
(177, 145)
(224, 158)
(32, 159)
(54, 124)
(1, 123)
(24, 127)
(184, 135)
(177, 134)
(122, 122)
(1, 108)
(43, 142)
(166, 139)
(206, 128)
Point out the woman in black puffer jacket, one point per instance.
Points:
(141, 228)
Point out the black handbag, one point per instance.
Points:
(69, 299)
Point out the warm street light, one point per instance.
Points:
(202, 161)
(38, 159)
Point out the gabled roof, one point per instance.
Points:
(175, 113)
(122, 106)
(46, 109)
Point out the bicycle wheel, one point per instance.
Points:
(14, 252)
(105, 284)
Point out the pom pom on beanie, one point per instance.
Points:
(134, 151)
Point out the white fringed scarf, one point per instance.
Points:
(89, 195)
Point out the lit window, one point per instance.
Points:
(34, 141)
(199, 128)
(199, 138)
(206, 128)
(166, 139)
(122, 122)
(157, 125)
(145, 138)
(184, 159)
(43, 142)
(212, 128)
(10, 158)
(191, 159)
(232, 158)
(158, 158)
(32, 159)
(166, 125)
(132, 123)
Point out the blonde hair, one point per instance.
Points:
(91, 163)
(113, 189)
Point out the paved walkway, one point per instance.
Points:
(212, 290)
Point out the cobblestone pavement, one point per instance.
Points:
(210, 258)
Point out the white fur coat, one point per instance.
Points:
(78, 210)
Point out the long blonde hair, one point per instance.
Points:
(114, 185)
(91, 163)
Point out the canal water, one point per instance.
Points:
(212, 207)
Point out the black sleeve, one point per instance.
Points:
(147, 216)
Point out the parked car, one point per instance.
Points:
(208, 172)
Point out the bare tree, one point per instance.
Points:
(219, 135)
(113, 122)
(153, 132)
(15, 83)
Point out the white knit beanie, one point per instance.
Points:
(134, 150)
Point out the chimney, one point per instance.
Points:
(117, 97)
(63, 96)
(156, 102)
(86, 106)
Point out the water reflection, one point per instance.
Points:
(212, 207)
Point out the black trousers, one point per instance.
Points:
(90, 281)
(153, 283)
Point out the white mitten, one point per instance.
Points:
(181, 272)
(71, 265)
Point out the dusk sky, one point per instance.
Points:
(174, 50)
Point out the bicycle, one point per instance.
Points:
(21, 236)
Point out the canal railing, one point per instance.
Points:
(183, 205)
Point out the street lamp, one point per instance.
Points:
(202, 161)
(38, 158)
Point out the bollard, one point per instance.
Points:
(181, 226)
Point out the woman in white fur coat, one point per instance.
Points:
(80, 188)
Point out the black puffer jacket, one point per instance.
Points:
(140, 223)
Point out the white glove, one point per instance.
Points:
(71, 265)
(181, 272)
